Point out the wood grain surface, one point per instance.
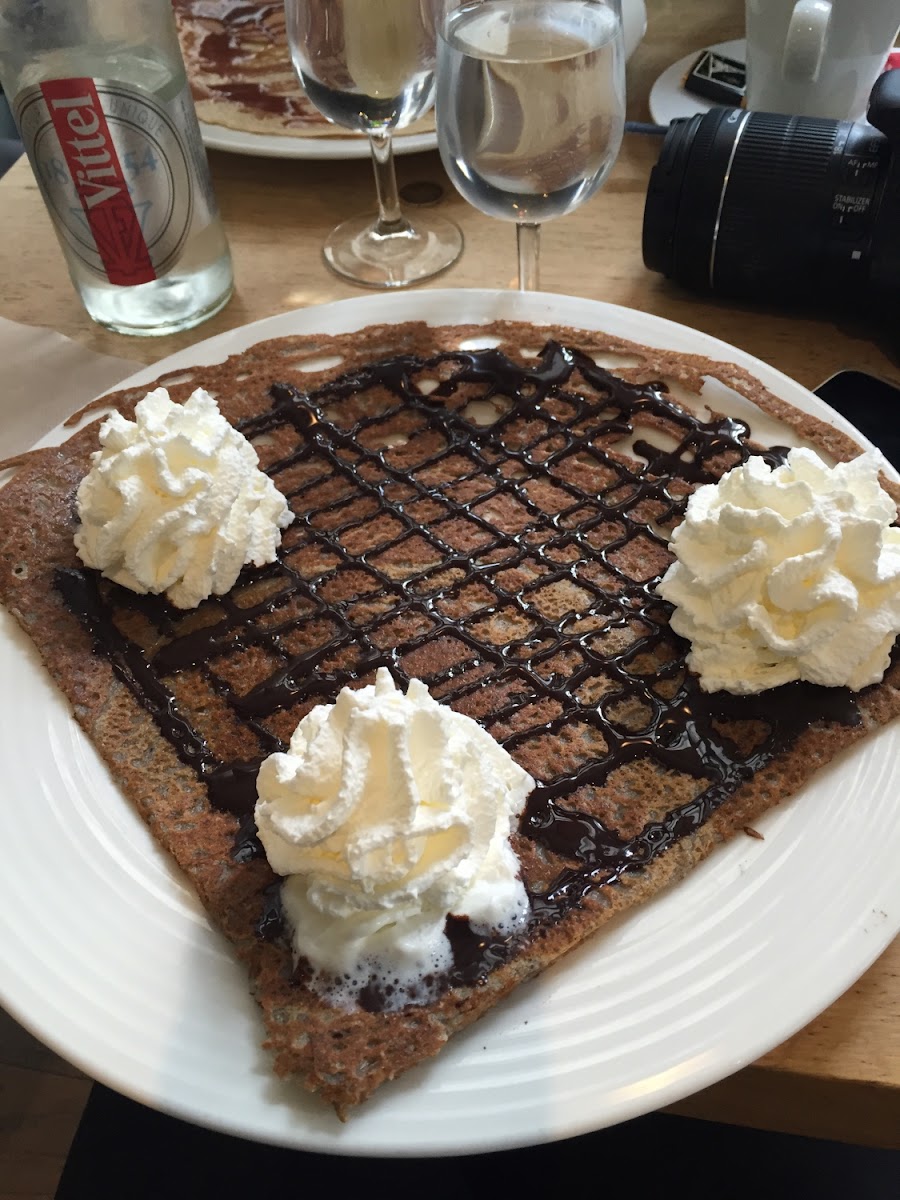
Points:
(840, 1076)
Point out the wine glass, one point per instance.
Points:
(368, 65)
(530, 107)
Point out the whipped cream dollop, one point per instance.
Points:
(175, 501)
(388, 813)
(785, 574)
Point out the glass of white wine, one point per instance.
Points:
(368, 65)
(530, 107)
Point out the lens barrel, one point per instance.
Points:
(765, 206)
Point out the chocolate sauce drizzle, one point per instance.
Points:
(563, 411)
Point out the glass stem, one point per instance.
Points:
(528, 242)
(390, 219)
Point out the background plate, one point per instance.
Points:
(110, 960)
(266, 145)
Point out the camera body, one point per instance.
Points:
(771, 207)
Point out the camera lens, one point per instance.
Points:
(766, 206)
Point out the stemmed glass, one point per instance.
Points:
(530, 107)
(368, 65)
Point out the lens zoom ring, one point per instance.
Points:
(777, 181)
(795, 150)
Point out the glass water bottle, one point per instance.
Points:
(99, 93)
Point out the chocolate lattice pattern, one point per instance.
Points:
(496, 530)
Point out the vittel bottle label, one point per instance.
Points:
(117, 171)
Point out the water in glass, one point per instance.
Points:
(530, 104)
(367, 62)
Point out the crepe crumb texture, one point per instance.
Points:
(344, 1056)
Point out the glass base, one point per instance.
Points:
(358, 251)
(170, 304)
(117, 325)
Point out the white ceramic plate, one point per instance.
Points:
(263, 145)
(109, 958)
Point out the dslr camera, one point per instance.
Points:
(764, 206)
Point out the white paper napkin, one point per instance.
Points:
(44, 378)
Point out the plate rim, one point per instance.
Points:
(426, 301)
(295, 146)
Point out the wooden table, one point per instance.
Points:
(839, 1077)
